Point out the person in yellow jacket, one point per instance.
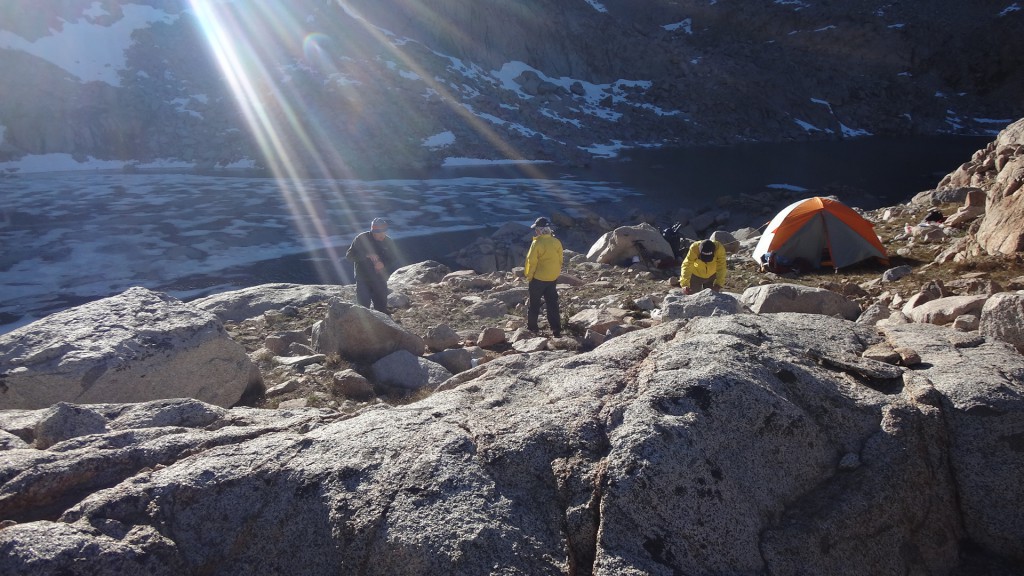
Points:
(703, 267)
(543, 266)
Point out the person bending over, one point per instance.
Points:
(703, 267)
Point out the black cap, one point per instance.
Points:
(541, 222)
(707, 250)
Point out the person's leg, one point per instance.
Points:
(362, 292)
(551, 301)
(533, 308)
(378, 289)
(697, 283)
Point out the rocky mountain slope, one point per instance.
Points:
(377, 86)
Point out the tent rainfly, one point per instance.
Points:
(820, 231)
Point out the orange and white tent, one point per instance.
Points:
(820, 231)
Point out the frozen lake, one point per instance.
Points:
(74, 237)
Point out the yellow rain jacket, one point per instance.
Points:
(544, 260)
(694, 266)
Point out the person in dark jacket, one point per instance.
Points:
(373, 254)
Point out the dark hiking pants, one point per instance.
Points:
(372, 288)
(547, 291)
(697, 283)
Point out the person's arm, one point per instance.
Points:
(720, 264)
(686, 270)
(354, 252)
(531, 261)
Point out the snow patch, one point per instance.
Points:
(439, 140)
(684, 25)
(107, 44)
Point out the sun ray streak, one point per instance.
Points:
(254, 87)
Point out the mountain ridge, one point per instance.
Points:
(369, 83)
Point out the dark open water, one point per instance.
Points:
(873, 171)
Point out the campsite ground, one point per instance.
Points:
(440, 303)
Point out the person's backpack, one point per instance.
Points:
(674, 238)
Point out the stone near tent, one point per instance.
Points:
(279, 342)
(932, 290)
(928, 233)
(944, 194)
(968, 285)
(678, 306)
(238, 305)
(703, 222)
(137, 346)
(169, 413)
(479, 256)
(441, 337)
(299, 349)
(732, 245)
(562, 220)
(598, 319)
(620, 245)
(485, 307)
(1002, 318)
(964, 215)
(954, 251)
(467, 280)
(975, 199)
(399, 299)
(490, 337)
(503, 250)
(510, 297)
(775, 298)
(746, 234)
(873, 314)
(64, 421)
(9, 441)
(407, 371)
(426, 272)
(944, 311)
(593, 339)
(881, 352)
(283, 388)
(966, 323)
(569, 280)
(649, 302)
(351, 384)
(298, 362)
(894, 274)
(360, 334)
(529, 345)
(454, 360)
